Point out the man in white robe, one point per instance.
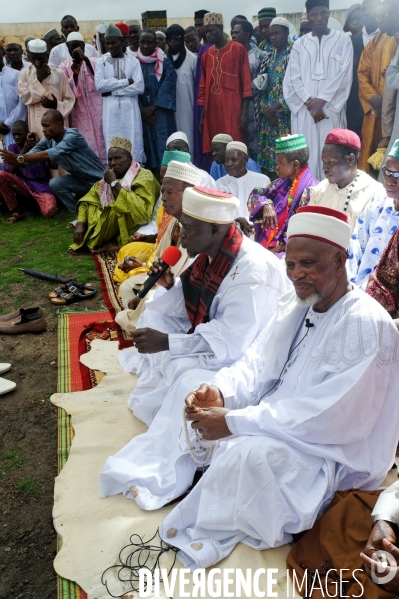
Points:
(119, 79)
(179, 141)
(242, 300)
(310, 409)
(185, 64)
(318, 81)
(239, 180)
(60, 53)
(11, 107)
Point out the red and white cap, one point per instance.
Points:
(323, 224)
(210, 205)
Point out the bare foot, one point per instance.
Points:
(111, 246)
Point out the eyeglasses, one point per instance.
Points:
(388, 174)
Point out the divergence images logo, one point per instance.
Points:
(386, 560)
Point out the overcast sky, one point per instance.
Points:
(50, 10)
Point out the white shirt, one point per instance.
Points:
(242, 187)
(60, 54)
(367, 37)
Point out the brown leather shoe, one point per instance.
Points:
(31, 312)
(23, 324)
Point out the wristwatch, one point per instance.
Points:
(21, 159)
(113, 184)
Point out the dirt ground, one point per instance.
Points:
(28, 452)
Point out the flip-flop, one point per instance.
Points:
(6, 386)
(15, 217)
(74, 293)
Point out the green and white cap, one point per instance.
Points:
(290, 143)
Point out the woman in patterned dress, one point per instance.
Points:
(273, 114)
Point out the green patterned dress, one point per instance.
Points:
(267, 134)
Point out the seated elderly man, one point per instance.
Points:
(240, 181)
(177, 178)
(376, 225)
(218, 147)
(68, 149)
(116, 206)
(26, 185)
(179, 141)
(208, 316)
(301, 415)
(272, 208)
(345, 188)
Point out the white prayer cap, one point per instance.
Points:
(210, 205)
(102, 28)
(222, 138)
(323, 224)
(132, 22)
(178, 135)
(183, 172)
(280, 21)
(237, 145)
(75, 36)
(37, 46)
(160, 33)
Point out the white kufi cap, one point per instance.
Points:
(37, 46)
(177, 135)
(323, 224)
(75, 36)
(183, 172)
(237, 145)
(222, 138)
(210, 205)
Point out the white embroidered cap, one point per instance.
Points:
(183, 172)
(75, 36)
(37, 46)
(323, 224)
(237, 145)
(177, 135)
(210, 205)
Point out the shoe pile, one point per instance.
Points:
(5, 385)
(20, 321)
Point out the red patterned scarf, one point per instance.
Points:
(202, 279)
(383, 283)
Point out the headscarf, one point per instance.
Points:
(100, 29)
(157, 56)
(182, 52)
(351, 10)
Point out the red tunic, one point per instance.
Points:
(225, 81)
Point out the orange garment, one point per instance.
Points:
(374, 61)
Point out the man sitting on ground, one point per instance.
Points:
(274, 426)
(179, 141)
(376, 225)
(68, 149)
(116, 206)
(22, 185)
(177, 178)
(224, 299)
(345, 188)
(240, 181)
(218, 145)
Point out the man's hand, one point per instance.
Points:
(129, 263)
(244, 120)
(131, 81)
(269, 217)
(109, 175)
(30, 143)
(382, 538)
(270, 114)
(204, 397)
(201, 122)
(9, 157)
(43, 72)
(384, 143)
(75, 68)
(106, 94)
(150, 341)
(48, 103)
(138, 237)
(4, 129)
(168, 278)
(245, 226)
(376, 102)
(80, 231)
(132, 305)
(210, 423)
(315, 104)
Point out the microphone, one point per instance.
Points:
(308, 324)
(170, 257)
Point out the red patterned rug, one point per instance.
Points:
(106, 264)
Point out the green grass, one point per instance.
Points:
(29, 485)
(41, 244)
(10, 458)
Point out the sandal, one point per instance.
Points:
(15, 217)
(72, 292)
